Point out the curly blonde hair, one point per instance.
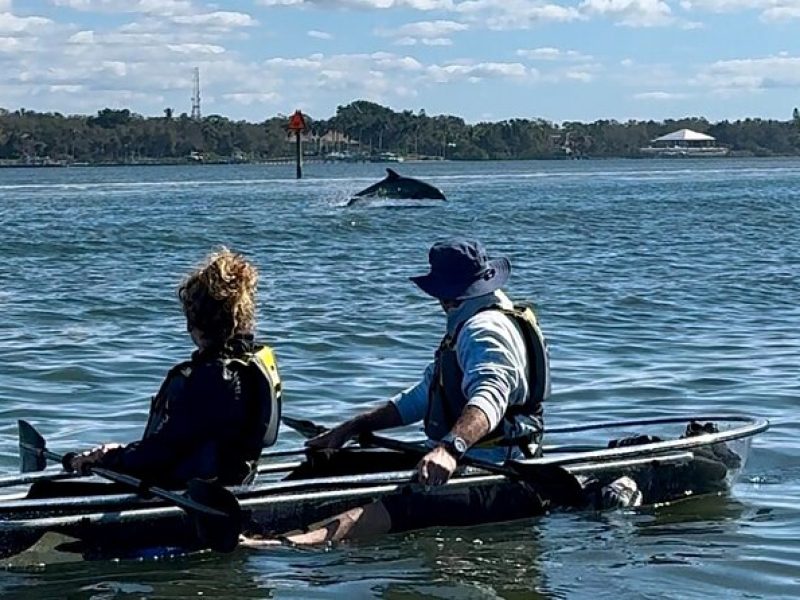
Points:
(219, 297)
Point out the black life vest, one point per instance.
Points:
(260, 387)
(522, 424)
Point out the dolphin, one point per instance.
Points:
(397, 186)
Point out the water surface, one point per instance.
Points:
(665, 287)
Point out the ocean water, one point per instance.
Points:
(664, 287)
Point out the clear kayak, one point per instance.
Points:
(695, 459)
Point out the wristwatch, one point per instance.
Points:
(455, 445)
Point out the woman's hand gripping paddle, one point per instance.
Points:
(214, 510)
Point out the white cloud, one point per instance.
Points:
(68, 89)
(10, 24)
(115, 68)
(149, 39)
(426, 4)
(563, 65)
(311, 63)
(195, 49)
(476, 72)
(365, 4)
(781, 13)
(771, 10)
(248, 99)
(436, 41)
(429, 29)
(410, 41)
(9, 44)
(320, 35)
(541, 53)
(183, 12)
(217, 20)
(752, 74)
(579, 75)
(393, 62)
(726, 78)
(145, 54)
(515, 14)
(164, 8)
(429, 33)
(139, 65)
(725, 5)
(553, 54)
(659, 96)
(381, 75)
(632, 13)
(5, 5)
(82, 37)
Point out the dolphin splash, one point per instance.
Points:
(397, 186)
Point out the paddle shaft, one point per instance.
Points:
(28, 478)
(400, 446)
(138, 484)
(556, 483)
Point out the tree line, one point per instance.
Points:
(359, 129)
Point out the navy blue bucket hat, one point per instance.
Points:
(460, 269)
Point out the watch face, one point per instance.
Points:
(460, 445)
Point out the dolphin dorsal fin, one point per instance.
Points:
(392, 174)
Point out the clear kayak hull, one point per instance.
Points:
(113, 524)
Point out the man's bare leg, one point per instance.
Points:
(357, 523)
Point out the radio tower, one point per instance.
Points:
(196, 95)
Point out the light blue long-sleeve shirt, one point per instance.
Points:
(491, 352)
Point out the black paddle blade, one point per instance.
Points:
(553, 482)
(218, 533)
(304, 427)
(31, 448)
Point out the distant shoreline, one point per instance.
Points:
(398, 164)
(367, 132)
(395, 165)
(46, 163)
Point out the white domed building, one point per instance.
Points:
(685, 143)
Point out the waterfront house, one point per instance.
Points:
(684, 143)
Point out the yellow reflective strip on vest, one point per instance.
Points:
(267, 357)
(264, 360)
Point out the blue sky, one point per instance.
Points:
(481, 59)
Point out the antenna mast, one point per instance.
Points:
(196, 95)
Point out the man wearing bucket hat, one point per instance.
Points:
(482, 393)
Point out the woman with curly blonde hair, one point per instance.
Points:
(214, 413)
(218, 299)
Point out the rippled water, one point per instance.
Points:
(664, 287)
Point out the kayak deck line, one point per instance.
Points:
(755, 422)
(12, 481)
(753, 427)
(275, 493)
